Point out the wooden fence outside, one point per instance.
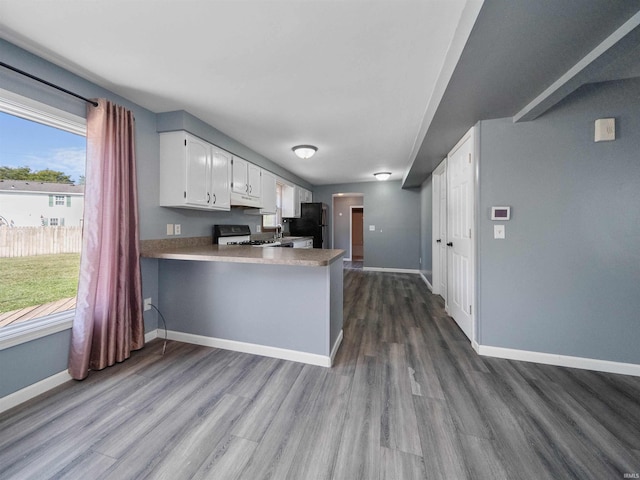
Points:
(29, 241)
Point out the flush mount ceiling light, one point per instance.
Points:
(382, 175)
(304, 151)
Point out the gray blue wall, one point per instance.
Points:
(27, 363)
(396, 215)
(566, 280)
(426, 229)
(153, 218)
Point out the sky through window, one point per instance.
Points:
(24, 143)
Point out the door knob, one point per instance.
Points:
(449, 244)
(438, 241)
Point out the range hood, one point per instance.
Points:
(243, 200)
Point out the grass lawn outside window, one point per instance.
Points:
(36, 280)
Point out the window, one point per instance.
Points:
(42, 165)
(271, 222)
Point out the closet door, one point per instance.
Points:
(460, 225)
(443, 230)
(439, 229)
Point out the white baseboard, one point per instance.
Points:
(265, 351)
(336, 346)
(150, 335)
(429, 286)
(27, 393)
(561, 360)
(476, 347)
(391, 270)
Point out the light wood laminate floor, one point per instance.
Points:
(407, 399)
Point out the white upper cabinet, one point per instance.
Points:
(290, 201)
(198, 165)
(240, 172)
(255, 181)
(268, 193)
(220, 179)
(247, 183)
(292, 197)
(305, 196)
(193, 173)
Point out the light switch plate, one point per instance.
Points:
(498, 232)
(372, 228)
(169, 228)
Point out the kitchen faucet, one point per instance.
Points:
(278, 232)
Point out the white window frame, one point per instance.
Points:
(53, 222)
(59, 200)
(35, 111)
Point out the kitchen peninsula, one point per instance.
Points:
(277, 302)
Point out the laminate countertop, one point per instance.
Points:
(304, 257)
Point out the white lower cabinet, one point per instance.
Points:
(303, 243)
(193, 173)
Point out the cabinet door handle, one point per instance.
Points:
(208, 198)
(250, 189)
(439, 241)
(214, 198)
(246, 187)
(449, 244)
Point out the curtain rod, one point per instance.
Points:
(33, 77)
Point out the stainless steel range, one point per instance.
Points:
(238, 235)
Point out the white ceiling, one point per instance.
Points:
(356, 78)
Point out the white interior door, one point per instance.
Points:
(439, 229)
(442, 245)
(460, 207)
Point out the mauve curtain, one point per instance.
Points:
(108, 323)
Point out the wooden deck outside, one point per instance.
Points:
(28, 313)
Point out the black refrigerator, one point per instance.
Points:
(312, 223)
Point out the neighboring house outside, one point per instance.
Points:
(37, 204)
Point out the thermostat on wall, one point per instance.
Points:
(500, 213)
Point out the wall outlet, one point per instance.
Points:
(147, 304)
(177, 229)
(169, 228)
(258, 228)
(498, 231)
